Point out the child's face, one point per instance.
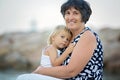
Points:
(61, 40)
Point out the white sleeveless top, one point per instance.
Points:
(45, 59)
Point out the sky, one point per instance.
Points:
(25, 15)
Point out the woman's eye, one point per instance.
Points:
(76, 13)
(66, 13)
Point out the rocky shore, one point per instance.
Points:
(22, 50)
(111, 44)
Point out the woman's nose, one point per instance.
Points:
(70, 16)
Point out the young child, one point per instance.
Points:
(59, 39)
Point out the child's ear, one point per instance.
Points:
(53, 38)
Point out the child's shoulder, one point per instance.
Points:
(49, 48)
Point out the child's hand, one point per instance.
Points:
(70, 47)
(72, 44)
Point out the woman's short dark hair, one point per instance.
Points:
(80, 5)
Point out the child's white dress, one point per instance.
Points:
(45, 61)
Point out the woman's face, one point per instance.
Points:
(73, 18)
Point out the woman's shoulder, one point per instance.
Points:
(87, 38)
(88, 35)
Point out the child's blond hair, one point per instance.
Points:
(57, 30)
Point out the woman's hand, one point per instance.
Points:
(37, 70)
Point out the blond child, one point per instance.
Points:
(59, 38)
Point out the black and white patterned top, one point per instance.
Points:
(94, 68)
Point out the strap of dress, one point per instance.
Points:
(85, 29)
(75, 40)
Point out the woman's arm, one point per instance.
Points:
(57, 61)
(82, 53)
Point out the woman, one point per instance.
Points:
(86, 60)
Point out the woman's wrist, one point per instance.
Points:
(37, 70)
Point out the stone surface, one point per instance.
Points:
(22, 50)
(111, 42)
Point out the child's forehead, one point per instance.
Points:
(63, 32)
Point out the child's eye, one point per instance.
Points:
(67, 39)
(62, 36)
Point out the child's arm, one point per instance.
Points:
(56, 61)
